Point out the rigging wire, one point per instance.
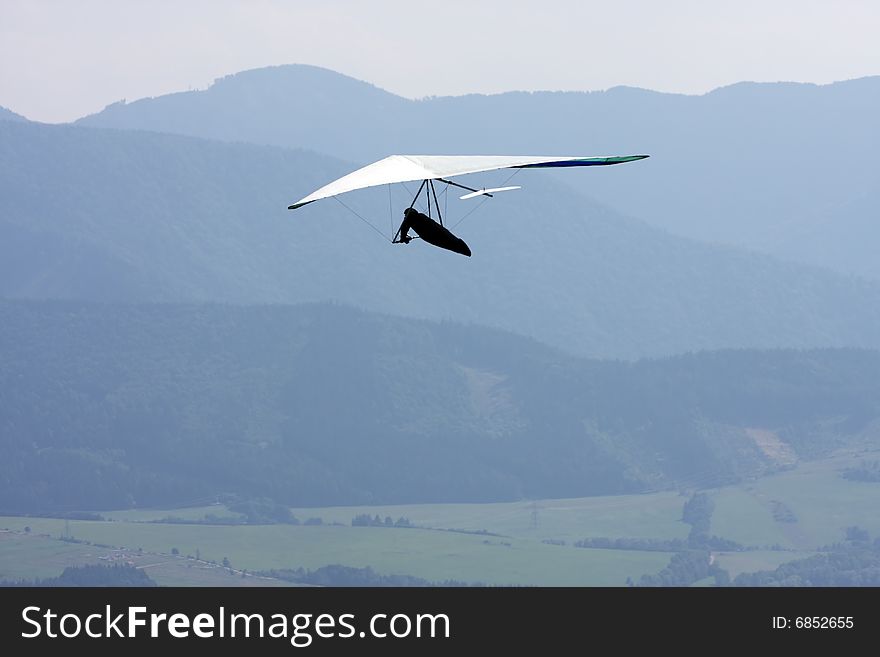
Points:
(444, 193)
(485, 198)
(408, 190)
(362, 219)
(390, 210)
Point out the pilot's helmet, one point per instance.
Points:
(408, 211)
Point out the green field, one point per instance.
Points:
(822, 502)
(430, 554)
(795, 512)
(189, 513)
(33, 556)
(655, 515)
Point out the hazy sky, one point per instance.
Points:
(62, 59)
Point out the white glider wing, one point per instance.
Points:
(406, 168)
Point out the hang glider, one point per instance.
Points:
(408, 168)
(428, 168)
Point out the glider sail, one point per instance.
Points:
(407, 168)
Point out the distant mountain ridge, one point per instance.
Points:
(9, 115)
(777, 167)
(135, 216)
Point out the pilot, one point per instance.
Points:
(430, 231)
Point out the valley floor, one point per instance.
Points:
(775, 519)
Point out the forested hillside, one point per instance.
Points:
(138, 405)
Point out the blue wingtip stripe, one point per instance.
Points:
(584, 163)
